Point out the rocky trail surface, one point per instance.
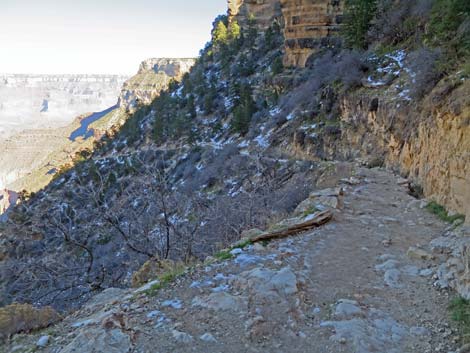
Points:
(362, 283)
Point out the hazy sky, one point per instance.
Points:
(100, 36)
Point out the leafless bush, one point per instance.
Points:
(396, 21)
(424, 65)
(344, 70)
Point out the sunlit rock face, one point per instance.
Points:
(308, 24)
(261, 12)
(50, 101)
(154, 75)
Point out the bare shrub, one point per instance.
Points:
(343, 71)
(424, 65)
(397, 21)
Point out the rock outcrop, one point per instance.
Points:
(307, 25)
(262, 12)
(154, 75)
(431, 148)
(8, 198)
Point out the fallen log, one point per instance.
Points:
(317, 221)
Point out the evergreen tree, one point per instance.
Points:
(209, 98)
(244, 110)
(234, 31)
(358, 16)
(449, 27)
(191, 107)
(220, 34)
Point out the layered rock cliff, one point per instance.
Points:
(261, 12)
(154, 75)
(431, 146)
(307, 25)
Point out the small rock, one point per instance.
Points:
(43, 341)
(146, 287)
(220, 301)
(236, 251)
(207, 337)
(419, 331)
(392, 278)
(426, 272)
(250, 234)
(153, 314)
(347, 308)
(258, 247)
(182, 337)
(387, 265)
(175, 304)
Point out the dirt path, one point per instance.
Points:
(346, 287)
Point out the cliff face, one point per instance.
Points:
(432, 150)
(263, 12)
(429, 146)
(307, 24)
(154, 75)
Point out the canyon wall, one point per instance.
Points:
(50, 101)
(428, 143)
(154, 75)
(307, 23)
(261, 12)
(431, 146)
(33, 152)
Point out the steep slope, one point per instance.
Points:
(31, 158)
(153, 76)
(238, 144)
(335, 289)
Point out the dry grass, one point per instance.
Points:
(16, 318)
(153, 269)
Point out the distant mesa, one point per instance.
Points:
(154, 75)
(171, 67)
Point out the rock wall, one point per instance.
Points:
(263, 12)
(431, 146)
(154, 75)
(307, 24)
